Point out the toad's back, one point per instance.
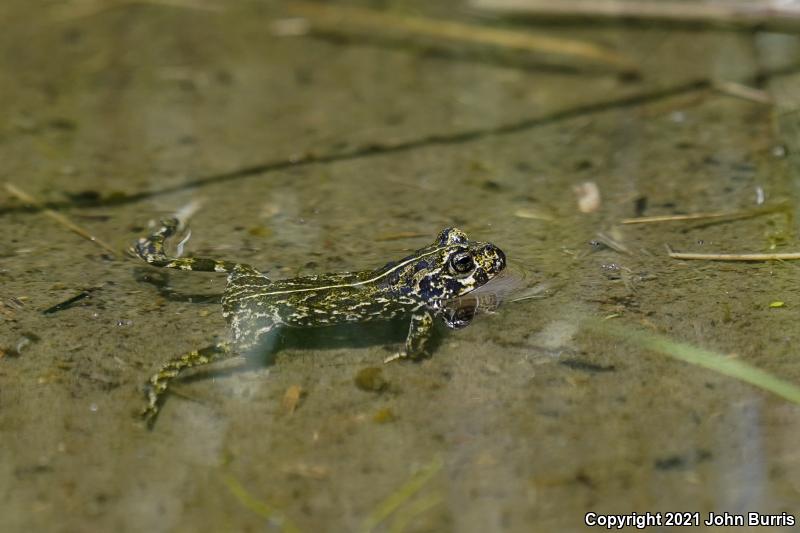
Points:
(310, 301)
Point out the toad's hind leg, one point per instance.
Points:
(151, 250)
(159, 382)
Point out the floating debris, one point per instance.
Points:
(681, 462)
(586, 366)
(262, 509)
(537, 292)
(614, 244)
(534, 214)
(25, 340)
(10, 306)
(721, 363)
(384, 416)
(404, 493)
(739, 90)
(789, 256)
(779, 150)
(292, 397)
(371, 379)
(260, 231)
(412, 510)
(66, 304)
(88, 8)
(15, 302)
(776, 304)
(761, 197)
(58, 217)
(723, 215)
(588, 196)
(339, 19)
(307, 471)
(744, 15)
(640, 205)
(105, 381)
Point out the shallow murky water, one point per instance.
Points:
(344, 147)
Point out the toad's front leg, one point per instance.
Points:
(418, 335)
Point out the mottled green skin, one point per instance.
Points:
(418, 286)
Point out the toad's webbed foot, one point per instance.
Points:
(158, 384)
(151, 250)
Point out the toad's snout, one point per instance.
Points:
(494, 260)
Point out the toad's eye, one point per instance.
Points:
(462, 263)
